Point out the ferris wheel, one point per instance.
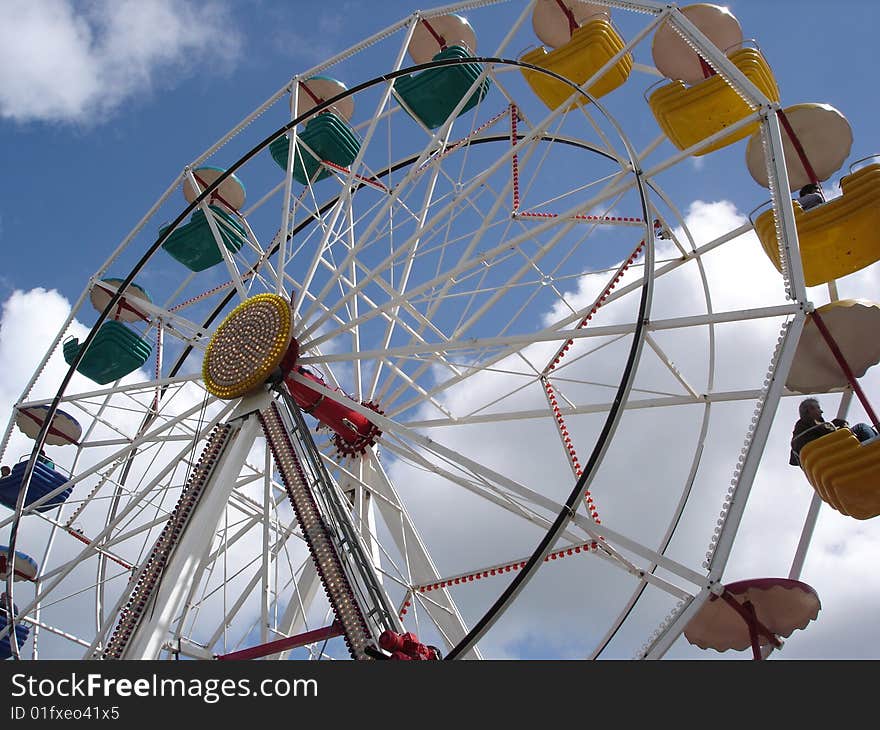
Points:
(430, 362)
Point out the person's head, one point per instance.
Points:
(807, 189)
(810, 408)
(5, 471)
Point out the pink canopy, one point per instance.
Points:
(767, 608)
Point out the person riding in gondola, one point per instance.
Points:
(810, 196)
(811, 426)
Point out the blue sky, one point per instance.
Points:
(121, 95)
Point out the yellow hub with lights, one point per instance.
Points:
(247, 346)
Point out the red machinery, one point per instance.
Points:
(354, 431)
(407, 647)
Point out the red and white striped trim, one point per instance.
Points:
(604, 219)
(583, 547)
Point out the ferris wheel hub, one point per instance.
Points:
(247, 346)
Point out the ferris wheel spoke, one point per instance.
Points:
(462, 267)
(424, 366)
(531, 263)
(325, 228)
(475, 484)
(473, 243)
(439, 216)
(248, 523)
(393, 316)
(227, 257)
(294, 619)
(500, 202)
(404, 281)
(599, 549)
(374, 274)
(378, 218)
(337, 320)
(621, 158)
(252, 240)
(499, 350)
(670, 365)
(104, 550)
(126, 533)
(355, 332)
(389, 426)
(634, 404)
(104, 412)
(168, 319)
(354, 355)
(505, 490)
(66, 635)
(515, 343)
(293, 152)
(479, 286)
(138, 387)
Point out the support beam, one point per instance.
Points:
(187, 561)
(291, 642)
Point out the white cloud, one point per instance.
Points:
(30, 322)
(76, 62)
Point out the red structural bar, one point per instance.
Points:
(584, 547)
(54, 431)
(158, 370)
(580, 216)
(568, 444)
(82, 538)
(123, 304)
(569, 16)
(365, 180)
(215, 194)
(802, 155)
(838, 355)
(291, 642)
(455, 145)
(310, 93)
(205, 294)
(437, 37)
(756, 628)
(564, 434)
(708, 71)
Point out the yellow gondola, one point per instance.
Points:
(845, 473)
(837, 238)
(591, 46)
(688, 115)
